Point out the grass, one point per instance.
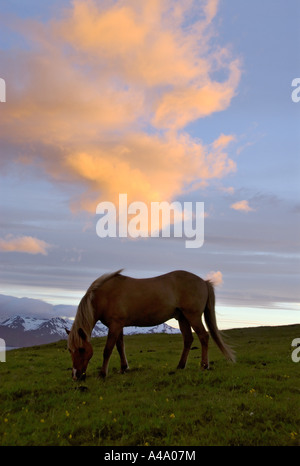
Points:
(253, 402)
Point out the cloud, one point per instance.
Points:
(215, 277)
(243, 206)
(11, 306)
(102, 95)
(228, 190)
(26, 244)
(211, 8)
(147, 168)
(182, 106)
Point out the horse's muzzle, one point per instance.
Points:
(77, 375)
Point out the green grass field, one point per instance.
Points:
(252, 402)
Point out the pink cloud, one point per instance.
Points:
(83, 97)
(242, 206)
(26, 244)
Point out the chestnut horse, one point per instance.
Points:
(119, 301)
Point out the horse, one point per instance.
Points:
(119, 301)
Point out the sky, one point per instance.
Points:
(174, 101)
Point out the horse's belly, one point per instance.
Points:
(144, 318)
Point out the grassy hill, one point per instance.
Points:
(252, 402)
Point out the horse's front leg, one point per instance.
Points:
(121, 350)
(112, 337)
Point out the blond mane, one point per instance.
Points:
(85, 313)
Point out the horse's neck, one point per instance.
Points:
(87, 325)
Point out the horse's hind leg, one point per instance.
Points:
(187, 340)
(203, 337)
(121, 351)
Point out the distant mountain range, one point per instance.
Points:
(20, 331)
(12, 306)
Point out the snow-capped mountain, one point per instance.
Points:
(56, 325)
(162, 328)
(20, 331)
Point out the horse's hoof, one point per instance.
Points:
(205, 367)
(123, 370)
(180, 366)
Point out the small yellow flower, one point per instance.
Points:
(70, 436)
(115, 420)
(100, 398)
(42, 421)
(67, 413)
(84, 402)
(172, 416)
(146, 444)
(6, 420)
(293, 435)
(252, 390)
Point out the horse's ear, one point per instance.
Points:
(81, 334)
(67, 331)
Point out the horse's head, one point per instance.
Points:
(81, 352)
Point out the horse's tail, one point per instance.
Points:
(210, 320)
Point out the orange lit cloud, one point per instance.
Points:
(243, 206)
(180, 107)
(149, 168)
(103, 97)
(26, 244)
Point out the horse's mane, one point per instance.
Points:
(85, 313)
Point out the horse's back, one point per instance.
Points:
(149, 301)
(173, 284)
